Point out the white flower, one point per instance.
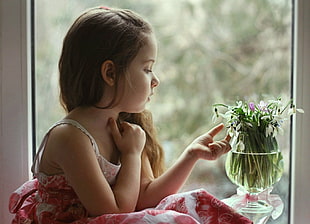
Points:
(300, 110)
(257, 120)
(215, 117)
(239, 103)
(293, 110)
(240, 146)
(279, 130)
(278, 103)
(263, 106)
(266, 117)
(269, 130)
(228, 115)
(238, 127)
(231, 131)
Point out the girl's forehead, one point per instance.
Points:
(149, 50)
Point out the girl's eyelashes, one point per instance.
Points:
(148, 70)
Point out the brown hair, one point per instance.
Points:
(98, 35)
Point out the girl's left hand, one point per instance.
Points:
(204, 147)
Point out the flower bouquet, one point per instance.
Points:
(263, 119)
(255, 162)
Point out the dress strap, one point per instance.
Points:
(37, 159)
(79, 126)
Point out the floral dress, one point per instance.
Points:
(51, 200)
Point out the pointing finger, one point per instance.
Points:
(214, 131)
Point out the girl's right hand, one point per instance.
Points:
(129, 138)
(205, 147)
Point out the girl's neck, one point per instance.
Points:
(96, 122)
(93, 115)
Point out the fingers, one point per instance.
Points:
(220, 145)
(214, 131)
(206, 148)
(116, 134)
(129, 138)
(219, 148)
(227, 138)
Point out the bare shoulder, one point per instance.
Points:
(72, 151)
(66, 144)
(67, 135)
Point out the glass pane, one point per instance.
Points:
(209, 52)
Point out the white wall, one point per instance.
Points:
(15, 125)
(14, 156)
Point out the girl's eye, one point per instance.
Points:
(148, 70)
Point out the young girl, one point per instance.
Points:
(102, 163)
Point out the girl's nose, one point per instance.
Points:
(155, 81)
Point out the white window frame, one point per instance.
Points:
(15, 101)
(300, 172)
(15, 105)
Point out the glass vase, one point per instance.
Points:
(254, 171)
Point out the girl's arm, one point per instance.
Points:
(74, 154)
(152, 190)
(204, 147)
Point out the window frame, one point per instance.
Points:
(15, 99)
(300, 170)
(16, 115)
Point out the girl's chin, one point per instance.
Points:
(137, 110)
(140, 108)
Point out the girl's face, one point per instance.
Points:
(141, 80)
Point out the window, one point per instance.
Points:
(15, 86)
(209, 52)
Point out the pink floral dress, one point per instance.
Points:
(51, 200)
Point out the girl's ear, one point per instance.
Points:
(108, 72)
